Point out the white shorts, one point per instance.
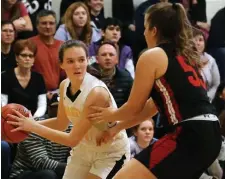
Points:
(84, 160)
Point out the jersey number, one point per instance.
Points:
(194, 78)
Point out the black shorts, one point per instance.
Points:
(185, 153)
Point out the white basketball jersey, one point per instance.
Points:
(74, 110)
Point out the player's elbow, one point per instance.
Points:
(72, 142)
(62, 125)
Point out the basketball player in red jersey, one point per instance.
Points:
(168, 72)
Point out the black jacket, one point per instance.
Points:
(120, 86)
(217, 31)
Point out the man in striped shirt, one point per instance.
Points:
(39, 158)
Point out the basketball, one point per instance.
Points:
(7, 135)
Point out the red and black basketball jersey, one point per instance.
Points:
(180, 93)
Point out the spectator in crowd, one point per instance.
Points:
(33, 8)
(142, 137)
(23, 86)
(219, 100)
(46, 59)
(209, 69)
(39, 158)
(15, 11)
(8, 33)
(216, 41)
(126, 16)
(117, 80)
(65, 4)
(5, 159)
(77, 25)
(111, 31)
(96, 13)
(197, 11)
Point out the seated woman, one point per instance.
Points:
(209, 70)
(16, 12)
(22, 86)
(142, 138)
(77, 25)
(8, 33)
(96, 13)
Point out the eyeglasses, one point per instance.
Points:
(24, 55)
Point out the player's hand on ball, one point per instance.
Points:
(21, 122)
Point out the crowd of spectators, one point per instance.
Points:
(113, 32)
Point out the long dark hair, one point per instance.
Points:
(15, 10)
(173, 26)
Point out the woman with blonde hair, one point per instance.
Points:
(77, 25)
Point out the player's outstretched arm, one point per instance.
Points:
(98, 97)
(60, 122)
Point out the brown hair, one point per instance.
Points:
(107, 43)
(20, 45)
(173, 25)
(3, 23)
(68, 21)
(79, 44)
(135, 128)
(198, 32)
(15, 10)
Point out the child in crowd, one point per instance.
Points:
(143, 137)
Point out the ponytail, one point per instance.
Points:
(184, 38)
(173, 26)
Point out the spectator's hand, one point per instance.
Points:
(132, 27)
(21, 122)
(19, 24)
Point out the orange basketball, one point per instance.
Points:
(7, 135)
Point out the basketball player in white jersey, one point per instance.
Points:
(78, 92)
